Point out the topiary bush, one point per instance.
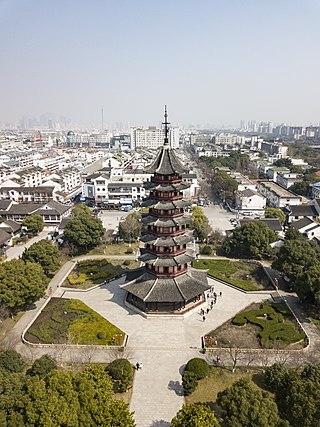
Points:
(126, 262)
(206, 250)
(121, 371)
(189, 382)
(101, 335)
(198, 366)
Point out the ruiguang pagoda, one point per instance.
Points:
(166, 284)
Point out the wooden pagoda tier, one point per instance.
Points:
(166, 283)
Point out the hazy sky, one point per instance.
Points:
(210, 61)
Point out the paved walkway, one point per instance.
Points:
(17, 251)
(162, 345)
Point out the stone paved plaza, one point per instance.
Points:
(162, 345)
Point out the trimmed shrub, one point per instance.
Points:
(198, 366)
(121, 371)
(101, 335)
(129, 251)
(206, 250)
(42, 366)
(189, 382)
(78, 280)
(126, 262)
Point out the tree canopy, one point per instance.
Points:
(200, 223)
(83, 230)
(275, 213)
(193, 415)
(224, 186)
(251, 240)
(21, 283)
(245, 405)
(300, 262)
(130, 227)
(61, 398)
(45, 254)
(33, 223)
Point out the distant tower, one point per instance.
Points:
(102, 119)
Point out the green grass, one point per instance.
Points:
(235, 273)
(70, 321)
(218, 380)
(88, 273)
(277, 327)
(114, 249)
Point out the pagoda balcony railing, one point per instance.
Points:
(166, 197)
(166, 254)
(172, 274)
(167, 233)
(167, 214)
(166, 179)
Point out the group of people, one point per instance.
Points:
(212, 294)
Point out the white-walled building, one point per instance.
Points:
(277, 197)
(250, 201)
(287, 179)
(152, 137)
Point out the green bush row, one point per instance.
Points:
(273, 329)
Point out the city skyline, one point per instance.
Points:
(212, 63)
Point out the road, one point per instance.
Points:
(218, 217)
(17, 251)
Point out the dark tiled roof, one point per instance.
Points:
(4, 204)
(166, 241)
(249, 193)
(166, 222)
(273, 223)
(169, 261)
(301, 223)
(23, 208)
(176, 204)
(12, 225)
(303, 210)
(179, 289)
(61, 208)
(4, 237)
(166, 163)
(149, 185)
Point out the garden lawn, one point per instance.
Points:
(243, 275)
(114, 249)
(276, 322)
(70, 321)
(267, 325)
(218, 380)
(91, 272)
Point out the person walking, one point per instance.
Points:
(203, 318)
(137, 366)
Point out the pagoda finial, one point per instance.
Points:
(166, 126)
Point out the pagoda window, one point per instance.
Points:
(171, 269)
(161, 249)
(166, 249)
(166, 270)
(160, 269)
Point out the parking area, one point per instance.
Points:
(110, 219)
(218, 217)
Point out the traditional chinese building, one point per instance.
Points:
(167, 283)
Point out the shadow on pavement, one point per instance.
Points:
(176, 387)
(160, 423)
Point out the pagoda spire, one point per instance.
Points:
(166, 126)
